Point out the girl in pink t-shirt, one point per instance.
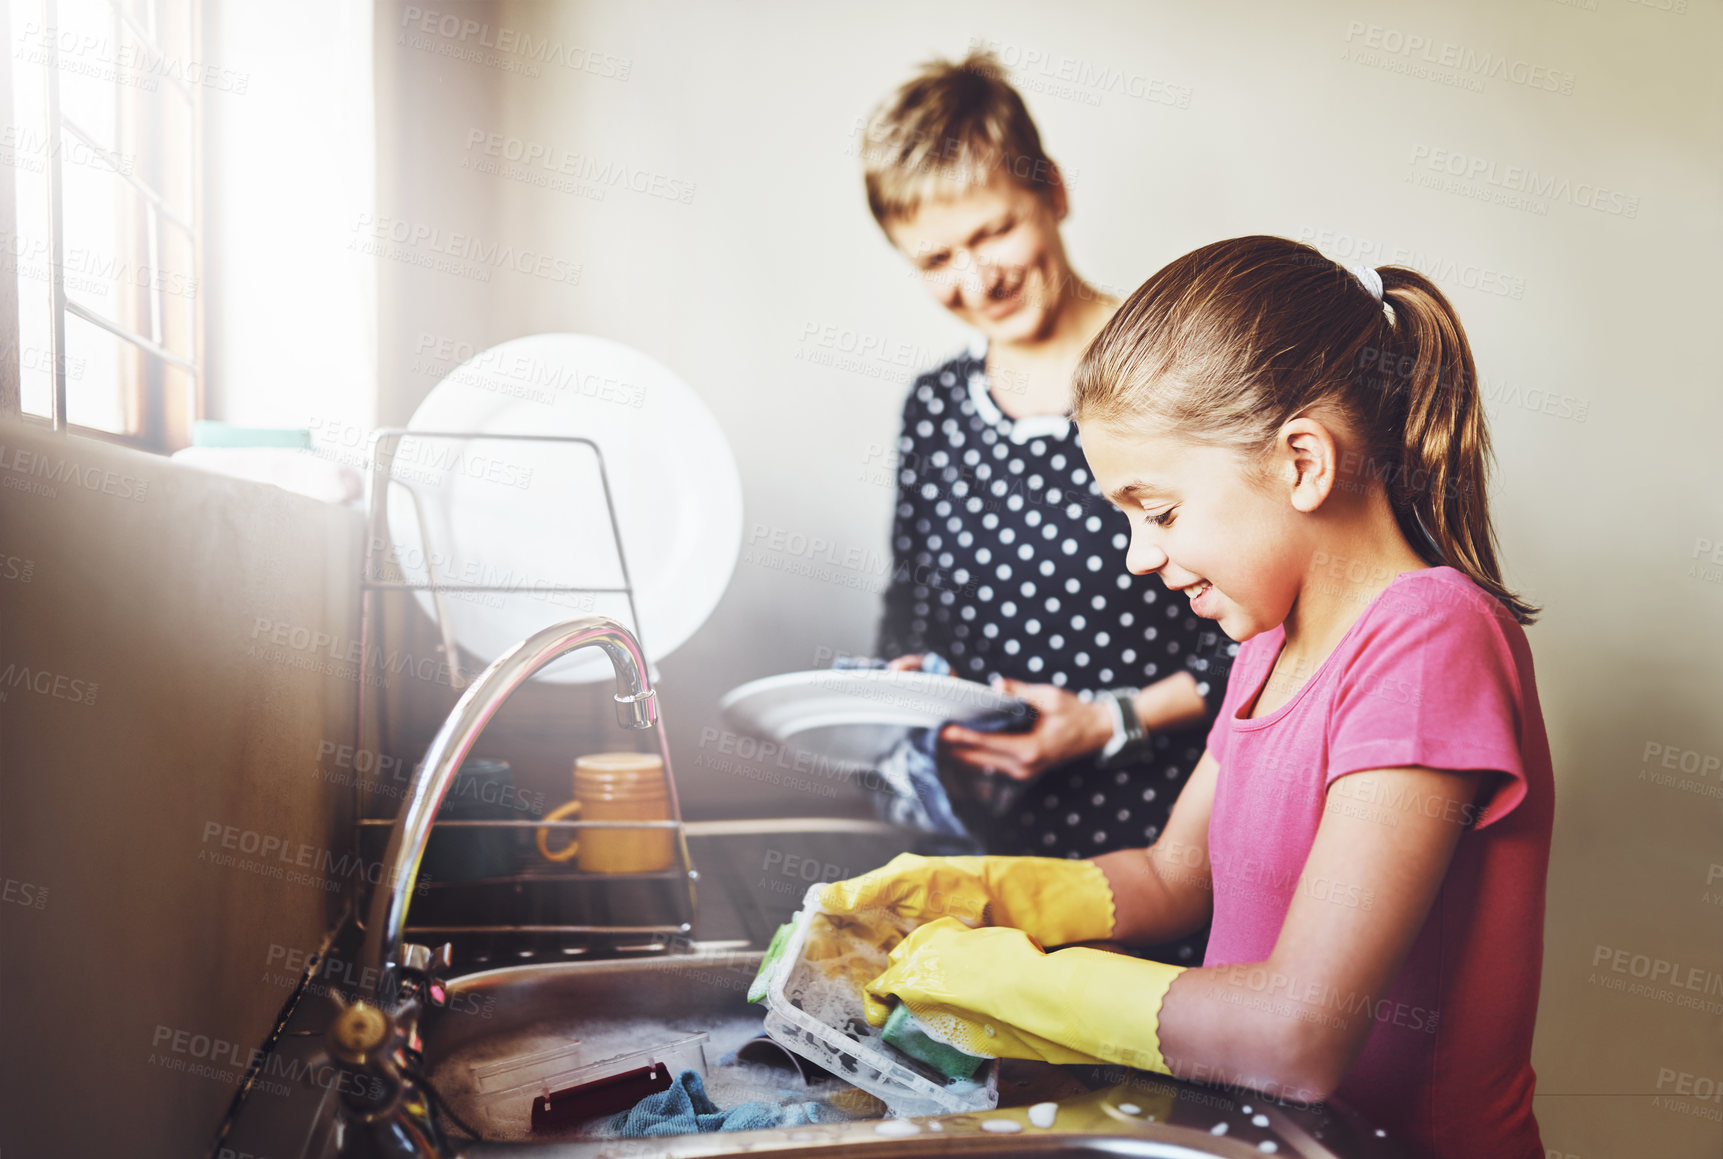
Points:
(1301, 450)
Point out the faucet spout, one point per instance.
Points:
(636, 708)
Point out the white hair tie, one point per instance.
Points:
(1369, 279)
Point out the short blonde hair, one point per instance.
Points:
(947, 128)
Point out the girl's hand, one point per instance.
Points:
(911, 663)
(994, 992)
(1067, 728)
(1054, 900)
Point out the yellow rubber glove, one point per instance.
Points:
(1053, 900)
(994, 992)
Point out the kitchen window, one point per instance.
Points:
(107, 249)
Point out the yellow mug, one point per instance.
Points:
(616, 787)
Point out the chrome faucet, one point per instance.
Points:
(373, 1041)
(636, 708)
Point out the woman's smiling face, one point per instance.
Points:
(991, 255)
(1204, 524)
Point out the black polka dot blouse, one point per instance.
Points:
(1007, 561)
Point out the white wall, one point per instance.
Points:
(1602, 505)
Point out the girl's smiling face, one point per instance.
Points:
(1234, 544)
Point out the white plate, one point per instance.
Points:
(854, 715)
(532, 515)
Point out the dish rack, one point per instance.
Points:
(640, 894)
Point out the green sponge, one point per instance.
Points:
(769, 964)
(904, 1032)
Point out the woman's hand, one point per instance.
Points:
(1067, 727)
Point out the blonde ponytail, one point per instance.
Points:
(1227, 343)
(1438, 495)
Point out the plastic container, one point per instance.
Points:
(814, 1008)
(514, 1082)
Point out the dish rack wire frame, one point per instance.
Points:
(384, 445)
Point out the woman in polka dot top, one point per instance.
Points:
(1007, 562)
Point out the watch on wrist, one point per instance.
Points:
(1128, 732)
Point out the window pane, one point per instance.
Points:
(94, 59)
(96, 267)
(101, 362)
(179, 396)
(26, 250)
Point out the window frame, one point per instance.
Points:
(159, 419)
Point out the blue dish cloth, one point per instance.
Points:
(918, 798)
(685, 1109)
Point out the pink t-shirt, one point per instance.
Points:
(1436, 673)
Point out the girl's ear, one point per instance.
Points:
(1309, 462)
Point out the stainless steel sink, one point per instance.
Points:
(1099, 1111)
(409, 1053)
(511, 1011)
